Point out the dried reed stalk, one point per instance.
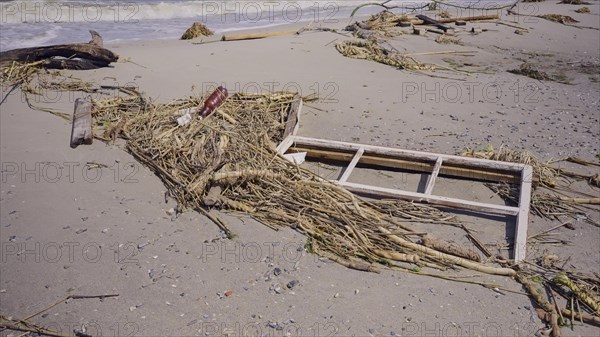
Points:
(563, 279)
(237, 154)
(450, 248)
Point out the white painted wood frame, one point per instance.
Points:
(432, 163)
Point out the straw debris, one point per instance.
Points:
(526, 69)
(368, 50)
(234, 165)
(564, 19)
(196, 30)
(447, 39)
(385, 20)
(378, 26)
(557, 181)
(233, 151)
(564, 280)
(583, 10)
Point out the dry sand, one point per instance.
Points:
(68, 229)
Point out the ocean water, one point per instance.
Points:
(27, 23)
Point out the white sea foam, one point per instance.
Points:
(16, 37)
(27, 11)
(28, 23)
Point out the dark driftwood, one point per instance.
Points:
(90, 55)
(429, 21)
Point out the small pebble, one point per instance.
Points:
(292, 284)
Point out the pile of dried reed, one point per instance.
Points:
(556, 181)
(370, 50)
(546, 280)
(564, 19)
(229, 160)
(543, 172)
(379, 26)
(385, 20)
(33, 80)
(17, 73)
(526, 69)
(447, 39)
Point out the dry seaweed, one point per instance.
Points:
(574, 2)
(196, 30)
(526, 69)
(444, 14)
(564, 19)
(542, 172)
(35, 82)
(379, 26)
(385, 20)
(447, 39)
(583, 10)
(368, 50)
(546, 205)
(18, 73)
(557, 181)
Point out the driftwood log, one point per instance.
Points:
(450, 248)
(81, 131)
(79, 56)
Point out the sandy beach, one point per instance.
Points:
(71, 229)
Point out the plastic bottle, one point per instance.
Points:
(213, 102)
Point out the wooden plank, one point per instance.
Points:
(408, 154)
(255, 36)
(520, 245)
(291, 125)
(433, 176)
(413, 165)
(464, 18)
(293, 118)
(81, 129)
(429, 21)
(283, 147)
(351, 166)
(376, 191)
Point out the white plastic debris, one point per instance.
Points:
(296, 158)
(183, 120)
